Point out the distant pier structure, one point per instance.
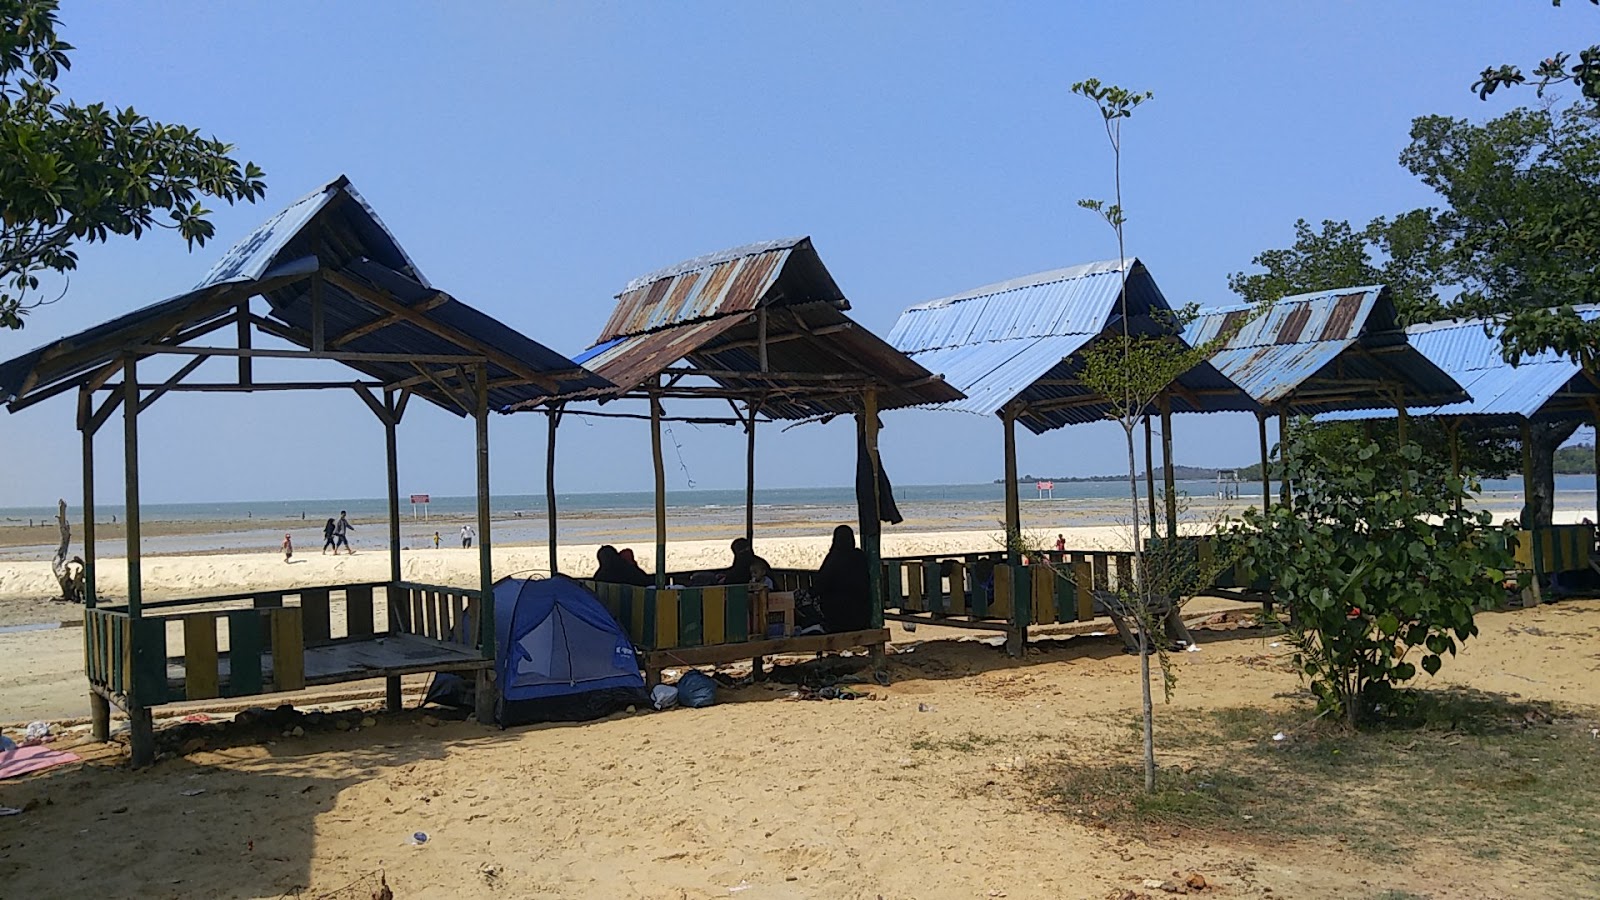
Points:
(1228, 484)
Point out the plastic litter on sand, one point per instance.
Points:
(418, 839)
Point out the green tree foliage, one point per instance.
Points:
(1396, 252)
(1553, 70)
(1379, 570)
(71, 174)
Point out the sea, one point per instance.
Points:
(259, 525)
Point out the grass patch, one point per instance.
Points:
(1485, 774)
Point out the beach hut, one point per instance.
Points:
(1321, 352)
(764, 328)
(322, 280)
(1542, 387)
(1015, 349)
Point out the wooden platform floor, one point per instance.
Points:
(355, 660)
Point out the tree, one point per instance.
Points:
(1553, 70)
(72, 174)
(1130, 371)
(1375, 559)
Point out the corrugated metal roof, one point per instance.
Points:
(1322, 351)
(701, 311)
(335, 229)
(1016, 340)
(1543, 386)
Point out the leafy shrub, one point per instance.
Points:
(1377, 561)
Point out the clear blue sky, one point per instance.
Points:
(534, 158)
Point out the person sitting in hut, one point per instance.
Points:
(616, 570)
(630, 567)
(842, 586)
(744, 558)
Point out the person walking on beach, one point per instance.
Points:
(466, 537)
(436, 540)
(288, 546)
(341, 537)
(1061, 543)
(327, 539)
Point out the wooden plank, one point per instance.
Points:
(430, 613)
(316, 615)
(933, 587)
(892, 589)
(1125, 572)
(200, 673)
(978, 602)
(915, 600)
(714, 612)
(736, 619)
(358, 609)
(125, 655)
(471, 639)
(691, 620)
(149, 661)
(1064, 599)
(245, 643)
(958, 589)
(1102, 570)
(418, 617)
(288, 649)
(666, 624)
(1022, 596)
(1001, 607)
(1083, 580)
(1044, 592)
(638, 599)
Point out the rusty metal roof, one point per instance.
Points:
(1324, 351)
(707, 311)
(1018, 340)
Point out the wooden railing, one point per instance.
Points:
(252, 643)
(684, 616)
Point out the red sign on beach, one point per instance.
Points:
(1047, 485)
(419, 498)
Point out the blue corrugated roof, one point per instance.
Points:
(1322, 351)
(1016, 340)
(1543, 385)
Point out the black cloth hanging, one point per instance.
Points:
(887, 511)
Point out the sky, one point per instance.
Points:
(532, 158)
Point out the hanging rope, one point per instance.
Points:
(678, 449)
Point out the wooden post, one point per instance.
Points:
(1454, 428)
(1266, 469)
(872, 537)
(1008, 419)
(1283, 456)
(130, 456)
(1401, 417)
(318, 316)
(1594, 419)
(86, 425)
(244, 343)
(1527, 470)
(661, 488)
(1168, 476)
(391, 447)
(553, 421)
(750, 475)
(485, 699)
(1150, 473)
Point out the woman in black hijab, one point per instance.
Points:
(842, 587)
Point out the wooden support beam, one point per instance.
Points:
(1008, 419)
(379, 407)
(486, 696)
(335, 355)
(553, 421)
(750, 476)
(1149, 473)
(438, 299)
(392, 409)
(183, 372)
(107, 407)
(1283, 457)
(130, 458)
(450, 392)
(319, 329)
(1453, 428)
(1168, 476)
(1527, 471)
(242, 320)
(1266, 464)
(484, 350)
(85, 425)
(661, 491)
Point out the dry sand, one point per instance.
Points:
(754, 798)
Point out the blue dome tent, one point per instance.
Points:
(560, 657)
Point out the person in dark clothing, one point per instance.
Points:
(616, 570)
(744, 556)
(327, 539)
(842, 586)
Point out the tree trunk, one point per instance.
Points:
(1539, 507)
(68, 572)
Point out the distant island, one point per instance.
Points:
(1181, 473)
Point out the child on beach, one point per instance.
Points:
(288, 546)
(436, 540)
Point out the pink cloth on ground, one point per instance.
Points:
(23, 760)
